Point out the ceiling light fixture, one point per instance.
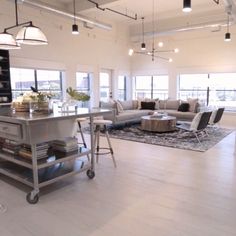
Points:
(227, 34)
(187, 6)
(154, 53)
(143, 46)
(75, 29)
(29, 34)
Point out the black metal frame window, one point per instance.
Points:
(122, 90)
(83, 80)
(213, 89)
(151, 87)
(43, 80)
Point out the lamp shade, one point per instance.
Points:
(75, 29)
(227, 37)
(143, 46)
(187, 6)
(8, 42)
(31, 35)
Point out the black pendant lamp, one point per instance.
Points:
(143, 45)
(75, 29)
(187, 6)
(227, 34)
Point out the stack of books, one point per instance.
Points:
(41, 151)
(66, 145)
(10, 146)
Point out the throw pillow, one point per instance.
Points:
(184, 107)
(119, 107)
(192, 104)
(148, 105)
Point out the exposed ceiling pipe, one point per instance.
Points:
(67, 14)
(209, 25)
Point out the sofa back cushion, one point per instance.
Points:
(109, 105)
(169, 104)
(126, 105)
(172, 104)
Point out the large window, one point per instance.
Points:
(193, 86)
(42, 80)
(83, 80)
(122, 87)
(214, 89)
(105, 86)
(151, 87)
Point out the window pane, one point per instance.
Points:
(104, 86)
(160, 86)
(143, 82)
(122, 87)
(48, 80)
(104, 79)
(83, 85)
(193, 86)
(223, 90)
(22, 79)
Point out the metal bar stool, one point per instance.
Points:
(102, 125)
(79, 120)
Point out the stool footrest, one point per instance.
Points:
(104, 153)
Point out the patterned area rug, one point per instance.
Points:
(177, 139)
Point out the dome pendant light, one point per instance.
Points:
(187, 6)
(75, 29)
(227, 34)
(29, 34)
(143, 46)
(7, 41)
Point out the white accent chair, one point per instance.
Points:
(198, 124)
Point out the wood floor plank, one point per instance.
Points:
(153, 191)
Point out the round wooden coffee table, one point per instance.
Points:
(158, 124)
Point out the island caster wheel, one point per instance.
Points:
(32, 201)
(90, 174)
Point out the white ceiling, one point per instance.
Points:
(164, 8)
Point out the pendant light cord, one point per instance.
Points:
(143, 27)
(16, 10)
(74, 11)
(228, 23)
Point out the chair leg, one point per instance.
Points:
(195, 133)
(97, 141)
(110, 147)
(82, 135)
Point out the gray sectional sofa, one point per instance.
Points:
(130, 111)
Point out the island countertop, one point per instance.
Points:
(35, 128)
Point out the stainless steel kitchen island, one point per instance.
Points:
(32, 130)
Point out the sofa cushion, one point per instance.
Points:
(172, 104)
(148, 105)
(184, 107)
(193, 104)
(109, 105)
(126, 105)
(119, 107)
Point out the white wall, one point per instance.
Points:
(90, 51)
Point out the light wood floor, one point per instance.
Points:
(155, 191)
